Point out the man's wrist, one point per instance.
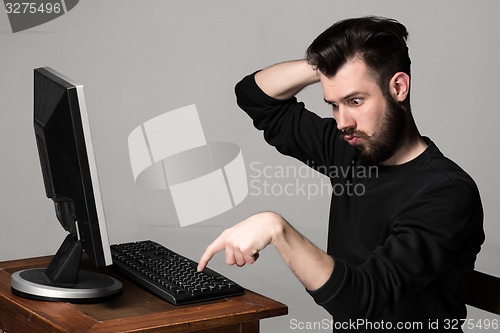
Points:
(276, 225)
(284, 80)
(313, 73)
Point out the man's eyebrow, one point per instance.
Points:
(351, 95)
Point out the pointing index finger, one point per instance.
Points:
(212, 249)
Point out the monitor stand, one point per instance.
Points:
(63, 281)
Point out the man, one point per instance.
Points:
(401, 253)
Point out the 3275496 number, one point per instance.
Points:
(471, 324)
(32, 8)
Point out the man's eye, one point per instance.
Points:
(356, 101)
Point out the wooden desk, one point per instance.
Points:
(136, 310)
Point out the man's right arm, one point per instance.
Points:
(284, 80)
(268, 97)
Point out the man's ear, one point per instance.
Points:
(400, 86)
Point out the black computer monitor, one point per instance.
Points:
(70, 176)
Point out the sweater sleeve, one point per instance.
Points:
(288, 125)
(434, 241)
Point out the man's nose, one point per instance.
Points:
(344, 120)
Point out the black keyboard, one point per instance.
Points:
(169, 275)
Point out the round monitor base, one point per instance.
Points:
(91, 287)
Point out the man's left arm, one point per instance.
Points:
(422, 246)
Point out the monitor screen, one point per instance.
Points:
(67, 160)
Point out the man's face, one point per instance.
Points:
(363, 113)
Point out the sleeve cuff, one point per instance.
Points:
(328, 291)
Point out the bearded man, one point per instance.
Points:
(402, 252)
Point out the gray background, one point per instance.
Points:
(139, 59)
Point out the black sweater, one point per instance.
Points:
(404, 238)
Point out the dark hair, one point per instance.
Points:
(378, 41)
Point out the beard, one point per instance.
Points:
(387, 138)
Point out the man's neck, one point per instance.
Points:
(412, 145)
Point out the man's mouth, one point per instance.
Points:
(352, 139)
